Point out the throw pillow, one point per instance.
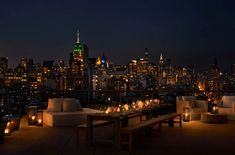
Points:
(54, 105)
(79, 107)
(227, 101)
(219, 103)
(71, 105)
(191, 99)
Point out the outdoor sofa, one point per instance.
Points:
(65, 112)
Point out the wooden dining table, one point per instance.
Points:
(119, 119)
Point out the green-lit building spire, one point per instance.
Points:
(78, 39)
(77, 50)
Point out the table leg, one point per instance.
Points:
(124, 121)
(90, 131)
(180, 120)
(117, 132)
(171, 122)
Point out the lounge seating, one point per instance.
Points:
(227, 106)
(196, 106)
(65, 112)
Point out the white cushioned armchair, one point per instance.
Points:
(227, 106)
(196, 106)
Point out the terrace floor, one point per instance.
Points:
(192, 138)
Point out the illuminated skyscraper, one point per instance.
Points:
(161, 61)
(78, 59)
(78, 65)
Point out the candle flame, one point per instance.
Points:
(33, 117)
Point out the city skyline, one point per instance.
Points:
(187, 32)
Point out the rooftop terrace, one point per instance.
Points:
(193, 137)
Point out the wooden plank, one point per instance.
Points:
(146, 124)
(96, 123)
(150, 122)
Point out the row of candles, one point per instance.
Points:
(138, 105)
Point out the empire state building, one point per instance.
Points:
(77, 58)
(78, 64)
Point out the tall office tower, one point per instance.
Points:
(144, 62)
(24, 63)
(104, 62)
(146, 55)
(162, 65)
(233, 70)
(79, 58)
(78, 64)
(162, 71)
(161, 61)
(3, 64)
(31, 66)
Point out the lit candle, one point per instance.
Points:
(126, 107)
(33, 118)
(118, 109)
(8, 124)
(214, 108)
(39, 121)
(7, 131)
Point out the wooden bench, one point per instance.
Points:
(169, 118)
(96, 124)
(99, 123)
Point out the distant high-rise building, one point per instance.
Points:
(24, 63)
(49, 64)
(139, 67)
(146, 55)
(79, 58)
(3, 64)
(161, 60)
(31, 66)
(104, 61)
(233, 69)
(61, 63)
(78, 65)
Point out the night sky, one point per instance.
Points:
(188, 31)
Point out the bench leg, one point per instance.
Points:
(77, 135)
(127, 141)
(89, 131)
(130, 140)
(171, 122)
(85, 134)
(160, 128)
(180, 120)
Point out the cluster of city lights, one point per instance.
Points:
(134, 106)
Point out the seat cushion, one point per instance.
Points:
(71, 105)
(191, 99)
(227, 101)
(54, 105)
(197, 110)
(219, 103)
(58, 119)
(225, 110)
